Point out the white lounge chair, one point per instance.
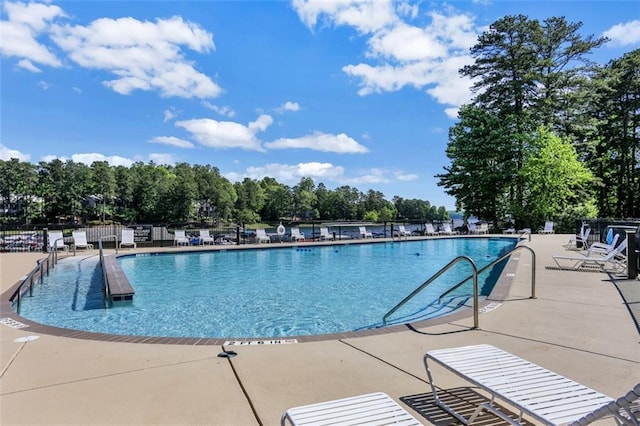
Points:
(127, 238)
(364, 233)
(548, 228)
(370, 409)
(80, 240)
(56, 239)
(325, 235)
(402, 232)
(205, 237)
(180, 238)
(262, 237)
(549, 398)
(614, 260)
(296, 235)
(428, 229)
(603, 248)
(482, 228)
(446, 229)
(582, 238)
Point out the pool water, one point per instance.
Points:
(283, 292)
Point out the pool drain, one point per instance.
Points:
(227, 354)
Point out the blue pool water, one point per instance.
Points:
(282, 292)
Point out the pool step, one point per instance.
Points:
(119, 286)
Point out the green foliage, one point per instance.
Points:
(529, 74)
(554, 180)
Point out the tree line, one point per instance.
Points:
(67, 191)
(548, 135)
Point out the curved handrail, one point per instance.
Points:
(504, 256)
(105, 279)
(17, 294)
(433, 278)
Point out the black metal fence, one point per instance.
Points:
(34, 237)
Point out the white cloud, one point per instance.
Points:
(28, 65)
(8, 153)
(365, 16)
(19, 33)
(89, 158)
(224, 111)
(326, 173)
(227, 134)
(261, 124)
(77, 90)
(169, 114)
(318, 141)
(142, 55)
(288, 106)
(167, 159)
(400, 53)
(624, 34)
(172, 141)
(291, 173)
(43, 85)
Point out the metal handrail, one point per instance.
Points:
(105, 279)
(433, 278)
(17, 294)
(504, 256)
(474, 275)
(525, 232)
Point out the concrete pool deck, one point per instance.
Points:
(581, 325)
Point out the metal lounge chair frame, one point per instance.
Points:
(614, 259)
(581, 238)
(549, 398)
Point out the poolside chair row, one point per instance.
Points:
(599, 255)
(56, 240)
(534, 391)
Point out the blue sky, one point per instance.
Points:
(358, 93)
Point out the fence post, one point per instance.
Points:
(45, 240)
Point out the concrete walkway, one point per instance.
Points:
(579, 326)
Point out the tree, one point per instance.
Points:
(615, 160)
(522, 72)
(555, 181)
(278, 199)
(304, 198)
(18, 182)
(249, 202)
(483, 169)
(103, 182)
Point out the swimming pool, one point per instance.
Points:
(282, 292)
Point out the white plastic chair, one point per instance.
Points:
(56, 238)
(205, 237)
(262, 237)
(296, 235)
(180, 238)
(127, 238)
(80, 240)
(364, 233)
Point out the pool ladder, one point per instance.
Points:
(474, 275)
